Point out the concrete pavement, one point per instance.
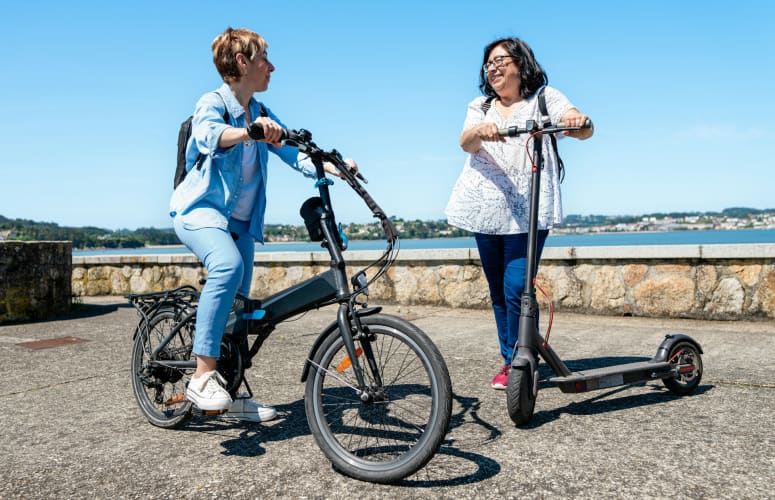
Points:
(71, 428)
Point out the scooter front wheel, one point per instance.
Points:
(519, 396)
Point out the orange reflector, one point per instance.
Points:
(346, 363)
(175, 399)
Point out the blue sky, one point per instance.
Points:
(93, 94)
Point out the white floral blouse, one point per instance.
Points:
(491, 196)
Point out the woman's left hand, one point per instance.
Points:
(331, 169)
(574, 118)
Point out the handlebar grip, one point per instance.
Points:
(508, 132)
(256, 132)
(587, 124)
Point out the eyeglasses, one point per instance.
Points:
(497, 62)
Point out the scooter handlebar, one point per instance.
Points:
(533, 127)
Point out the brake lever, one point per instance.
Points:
(352, 171)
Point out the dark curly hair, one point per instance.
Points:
(531, 74)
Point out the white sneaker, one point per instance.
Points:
(207, 392)
(249, 411)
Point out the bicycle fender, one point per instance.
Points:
(329, 330)
(669, 341)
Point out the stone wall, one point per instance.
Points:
(683, 281)
(35, 279)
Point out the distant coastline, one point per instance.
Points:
(640, 238)
(98, 239)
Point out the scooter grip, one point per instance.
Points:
(587, 124)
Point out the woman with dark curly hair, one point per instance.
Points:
(492, 195)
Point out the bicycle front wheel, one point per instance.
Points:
(160, 390)
(401, 427)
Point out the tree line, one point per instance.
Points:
(95, 237)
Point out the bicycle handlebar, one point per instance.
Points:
(302, 139)
(531, 127)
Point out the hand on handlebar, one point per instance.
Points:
(573, 118)
(331, 168)
(270, 131)
(488, 132)
(260, 129)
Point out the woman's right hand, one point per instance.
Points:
(488, 132)
(471, 139)
(273, 132)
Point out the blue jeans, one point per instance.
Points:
(229, 265)
(504, 262)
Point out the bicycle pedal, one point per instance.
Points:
(175, 399)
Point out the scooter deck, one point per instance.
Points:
(612, 376)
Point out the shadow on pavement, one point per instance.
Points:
(598, 403)
(292, 422)
(77, 312)
(453, 466)
(594, 405)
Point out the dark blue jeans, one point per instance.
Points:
(504, 261)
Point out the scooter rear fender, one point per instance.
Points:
(663, 351)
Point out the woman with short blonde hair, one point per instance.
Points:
(218, 209)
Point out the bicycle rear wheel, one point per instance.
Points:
(160, 390)
(399, 431)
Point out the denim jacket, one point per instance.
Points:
(209, 193)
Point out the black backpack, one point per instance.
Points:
(183, 135)
(545, 121)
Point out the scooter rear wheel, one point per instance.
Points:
(686, 359)
(519, 396)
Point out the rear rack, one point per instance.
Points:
(180, 299)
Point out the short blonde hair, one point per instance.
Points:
(231, 42)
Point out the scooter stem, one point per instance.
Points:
(527, 321)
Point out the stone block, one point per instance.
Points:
(35, 279)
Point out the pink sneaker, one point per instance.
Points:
(501, 380)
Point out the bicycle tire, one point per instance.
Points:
(519, 396)
(161, 391)
(388, 440)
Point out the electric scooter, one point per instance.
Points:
(678, 361)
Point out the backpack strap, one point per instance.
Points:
(486, 104)
(545, 122)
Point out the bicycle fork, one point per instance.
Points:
(350, 331)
